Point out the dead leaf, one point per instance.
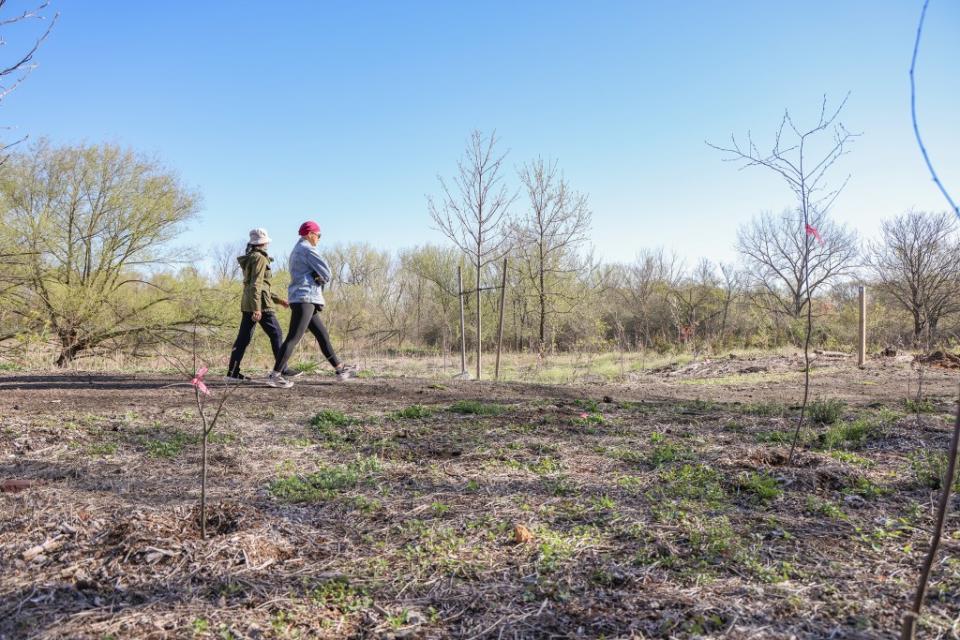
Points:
(521, 534)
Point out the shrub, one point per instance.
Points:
(826, 411)
(930, 467)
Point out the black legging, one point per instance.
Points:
(247, 326)
(303, 316)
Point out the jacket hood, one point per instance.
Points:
(245, 259)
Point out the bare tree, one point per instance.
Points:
(808, 181)
(547, 238)
(14, 71)
(225, 266)
(916, 264)
(649, 279)
(472, 212)
(784, 268)
(732, 284)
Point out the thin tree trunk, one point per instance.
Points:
(479, 326)
(910, 619)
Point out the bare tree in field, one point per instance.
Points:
(225, 266)
(547, 238)
(803, 162)
(649, 279)
(13, 71)
(917, 262)
(784, 266)
(473, 210)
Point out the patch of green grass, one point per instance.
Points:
(556, 548)
(852, 458)
(170, 447)
(545, 465)
(929, 468)
(694, 406)
(102, 449)
(9, 366)
(710, 538)
(325, 483)
(826, 411)
(477, 408)
(851, 435)
(414, 412)
(764, 409)
(819, 507)
(691, 481)
(560, 485)
(865, 488)
(341, 595)
(762, 487)
(331, 418)
(774, 437)
(923, 405)
(331, 425)
(309, 367)
(588, 405)
(666, 452)
(589, 420)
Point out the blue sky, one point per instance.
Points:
(346, 111)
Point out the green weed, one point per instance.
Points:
(691, 481)
(923, 405)
(477, 408)
(762, 487)
(414, 412)
(826, 411)
(325, 483)
(851, 435)
(929, 468)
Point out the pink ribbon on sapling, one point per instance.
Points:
(198, 381)
(812, 231)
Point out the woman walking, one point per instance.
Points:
(257, 302)
(308, 274)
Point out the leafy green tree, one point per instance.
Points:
(94, 222)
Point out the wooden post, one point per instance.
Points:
(463, 324)
(503, 293)
(862, 344)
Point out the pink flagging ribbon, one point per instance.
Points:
(812, 231)
(198, 381)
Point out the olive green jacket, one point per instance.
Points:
(256, 282)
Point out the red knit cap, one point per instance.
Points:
(309, 227)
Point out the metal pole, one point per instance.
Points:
(862, 350)
(463, 324)
(503, 293)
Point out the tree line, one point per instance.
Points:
(89, 267)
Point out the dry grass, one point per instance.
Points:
(392, 510)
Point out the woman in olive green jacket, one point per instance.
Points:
(257, 302)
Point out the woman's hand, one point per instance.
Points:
(283, 303)
(257, 315)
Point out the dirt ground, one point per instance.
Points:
(661, 506)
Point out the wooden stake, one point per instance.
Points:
(463, 324)
(862, 346)
(503, 293)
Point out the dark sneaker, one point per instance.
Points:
(292, 373)
(278, 381)
(236, 377)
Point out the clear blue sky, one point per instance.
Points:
(346, 111)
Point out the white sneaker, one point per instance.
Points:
(278, 381)
(346, 372)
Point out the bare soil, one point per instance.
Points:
(662, 506)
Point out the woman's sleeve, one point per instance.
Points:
(257, 271)
(318, 266)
